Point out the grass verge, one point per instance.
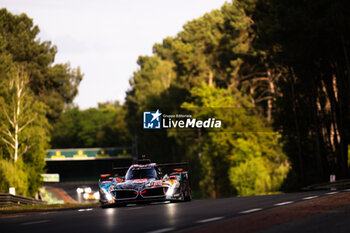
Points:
(44, 207)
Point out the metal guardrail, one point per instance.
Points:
(7, 199)
(339, 184)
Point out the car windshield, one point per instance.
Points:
(141, 173)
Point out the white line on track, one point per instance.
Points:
(209, 220)
(250, 211)
(331, 193)
(347, 190)
(284, 203)
(80, 210)
(308, 198)
(35, 222)
(162, 230)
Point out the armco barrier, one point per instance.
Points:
(339, 184)
(7, 199)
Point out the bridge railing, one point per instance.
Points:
(7, 199)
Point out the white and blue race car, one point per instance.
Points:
(145, 182)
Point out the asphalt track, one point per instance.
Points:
(180, 217)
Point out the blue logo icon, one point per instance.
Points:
(151, 120)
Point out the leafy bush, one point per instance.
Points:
(13, 175)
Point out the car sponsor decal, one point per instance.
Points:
(139, 180)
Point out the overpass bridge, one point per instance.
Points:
(85, 164)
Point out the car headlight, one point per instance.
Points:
(97, 195)
(107, 195)
(80, 190)
(170, 191)
(86, 196)
(87, 190)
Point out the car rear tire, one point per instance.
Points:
(187, 196)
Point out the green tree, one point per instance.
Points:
(245, 153)
(54, 85)
(28, 99)
(95, 127)
(153, 87)
(310, 41)
(217, 49)
(24, 130)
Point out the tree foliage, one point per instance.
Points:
(54, 85)
(24, 133)
(216, 49)
(33, 94)
(244, 153)
(13, 175)
(290, 59)
(95, 127)
(310, 44)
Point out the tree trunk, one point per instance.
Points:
(316, 129)
(271, 94)
(210, 81)
(297, 129)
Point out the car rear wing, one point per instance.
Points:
(173, 164)
(174, 167)
(105, 177)
(168, 167)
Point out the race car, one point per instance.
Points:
(87, 193)
(145, 182)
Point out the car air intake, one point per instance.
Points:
(153, 192)
(125, 194)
